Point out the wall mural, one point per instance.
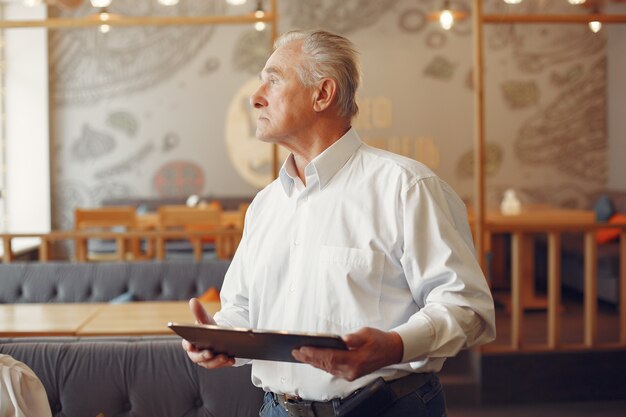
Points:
(412, 20)
(170, 142)
(493, 161)
(109, 190)
(551, 47)
(178, 179)
(69, 194)
(251, 158)
(92, 144)
(568, 195)
(210, 66)
(124, 121)
(567, 76)
(125, 165)
(560, 71)
(113, 91)
(570, 133)
(520, 94)
(435, 39)
(440, 68)
(251, 51)
(337, 16)
(88, 66)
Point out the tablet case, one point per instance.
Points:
(251, 343)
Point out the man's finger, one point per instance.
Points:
(199, 312)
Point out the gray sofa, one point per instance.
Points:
(66, 282)
(132, 377)
(129, 376)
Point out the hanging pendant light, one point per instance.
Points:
(100, 3)
(446, 18)
(595, 26)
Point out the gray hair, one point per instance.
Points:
(328, 56)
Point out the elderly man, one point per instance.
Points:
(350, 240)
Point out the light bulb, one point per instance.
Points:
(100, 3)
(576, 1)
(33, 3)
(168, 2)
(259, 14)
(236, 2)
(259, 26)
(446, 19)
(512, 1)
(104, 28)
(595, 26)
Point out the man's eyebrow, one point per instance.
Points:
(270, 70)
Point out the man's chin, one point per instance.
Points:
(264, 137)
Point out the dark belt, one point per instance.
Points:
(297, 407)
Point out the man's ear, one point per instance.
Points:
(324, 94)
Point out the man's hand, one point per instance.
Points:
(368, 350)
(204, 358)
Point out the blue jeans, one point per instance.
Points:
(427, 401)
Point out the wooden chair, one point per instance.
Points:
(207, 218)
(106, 219)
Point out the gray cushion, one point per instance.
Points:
(66, 282)
(132, 377)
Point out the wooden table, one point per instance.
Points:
(150, 220)
(533, 219)
(18, 320)
(95, 319)
(140, 318)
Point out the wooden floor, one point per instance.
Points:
(586, 409)
(536, 382)
(535, 323)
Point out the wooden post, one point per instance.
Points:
(160, 248)
(274, 28)
(554, 18)
(517, 311)
(479, 134)
(8, 251)
(622, 287)
(196, 242)
(80, 249)
(121, 248)
(44, 249)
(126, 21)
(590, 290)
(554, 289)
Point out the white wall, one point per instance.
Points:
(27, 124)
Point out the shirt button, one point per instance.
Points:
(296, 242)
(283, 380)
(291, 289)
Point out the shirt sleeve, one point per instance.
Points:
(455, 305)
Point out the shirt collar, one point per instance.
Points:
(324, 166)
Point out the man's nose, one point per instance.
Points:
(256, 99)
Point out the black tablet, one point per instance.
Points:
(251, 343)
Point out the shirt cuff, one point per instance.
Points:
(417, 336)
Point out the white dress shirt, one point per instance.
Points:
(373, 239)
(21, 392)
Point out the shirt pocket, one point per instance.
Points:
(350, 283)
